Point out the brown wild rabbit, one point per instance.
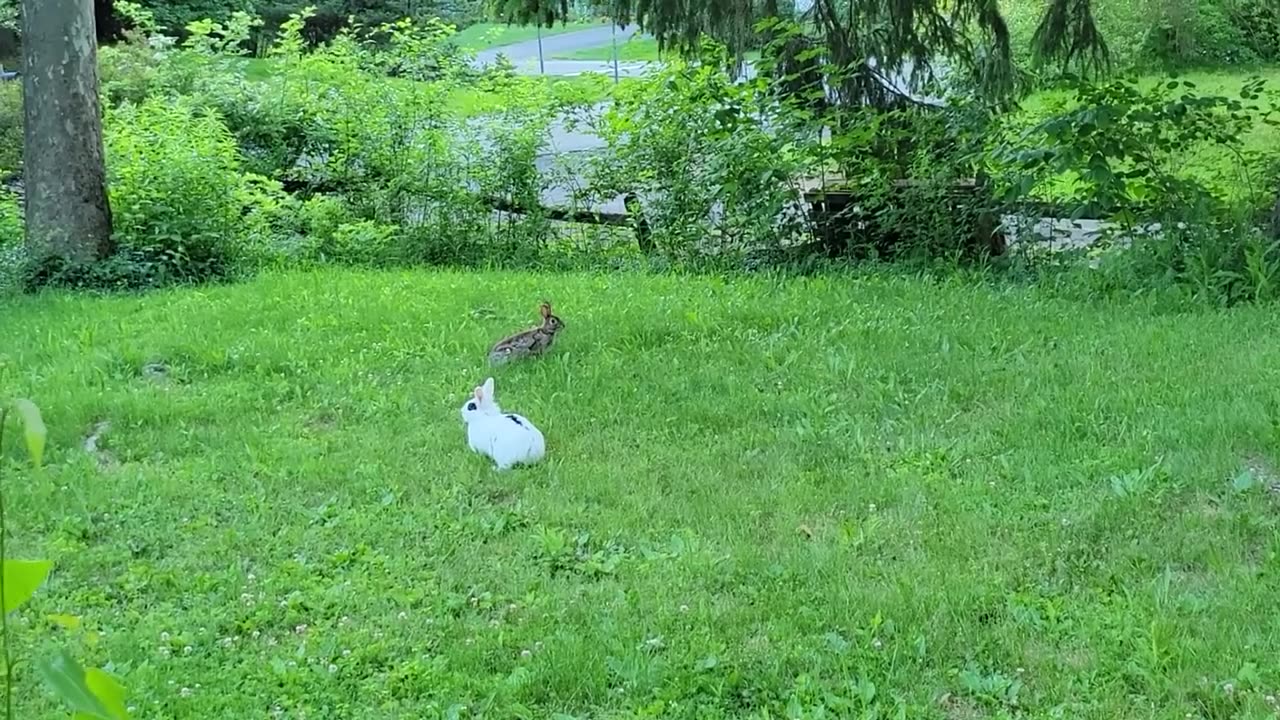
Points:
(531, 342)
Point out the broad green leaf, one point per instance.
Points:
(67, 680)
(32, 429)
(66, 622)
(21, 579)
(1244, 481)
(109, 692)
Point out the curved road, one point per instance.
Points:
(524, 55)
(563, 141)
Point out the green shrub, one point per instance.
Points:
(1221, 260)
(912, 168)
(275, 122)
(178, 195)
(174, 15)
(1117, 146)
(363, 242)
(322, 230)
(11, 239)
(128, 72)
(11, 124)
(332, 16)
(1116, 150)
(10, 218)
(714, 161)
(400, 174)
(421, 51)
(1195, 32)
(1259, 23)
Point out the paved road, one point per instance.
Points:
(563, 142)
(524, 55)
(569, 68)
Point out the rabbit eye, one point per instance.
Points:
(471, 406)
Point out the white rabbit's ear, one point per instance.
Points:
(487, 388)
(478, 394)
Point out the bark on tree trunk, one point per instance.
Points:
(64, 175)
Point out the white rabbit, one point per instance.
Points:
(508, 439)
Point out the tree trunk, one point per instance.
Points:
(64, 174)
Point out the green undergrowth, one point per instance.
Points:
(468, 99)
(830, 497)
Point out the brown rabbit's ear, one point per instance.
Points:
(545, 309)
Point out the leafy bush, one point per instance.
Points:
(916, 175)
(11, 124)
(1212, 32)
(290, 124)
(11, 241)
(382, 172)
(1259, 23)
(211, 38)
(127, 72)
(1221, 261)
(715, 163)
(1196, 32)
(174, 15)
(421, 51)
(325, 23)
(10, 218)
(726, 171)
(1119, 151)
(323, 230)
(178, 194)
(1122, 146)
(130, 70)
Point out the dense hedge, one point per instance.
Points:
(330, 15)
(1214, 32)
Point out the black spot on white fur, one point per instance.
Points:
(515, 420)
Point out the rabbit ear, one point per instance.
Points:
(487, 388)
(478, 393)
(545, 309)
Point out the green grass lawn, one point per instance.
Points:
(487, 35)
(634, 49)
(469, 102)
(857, 496)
